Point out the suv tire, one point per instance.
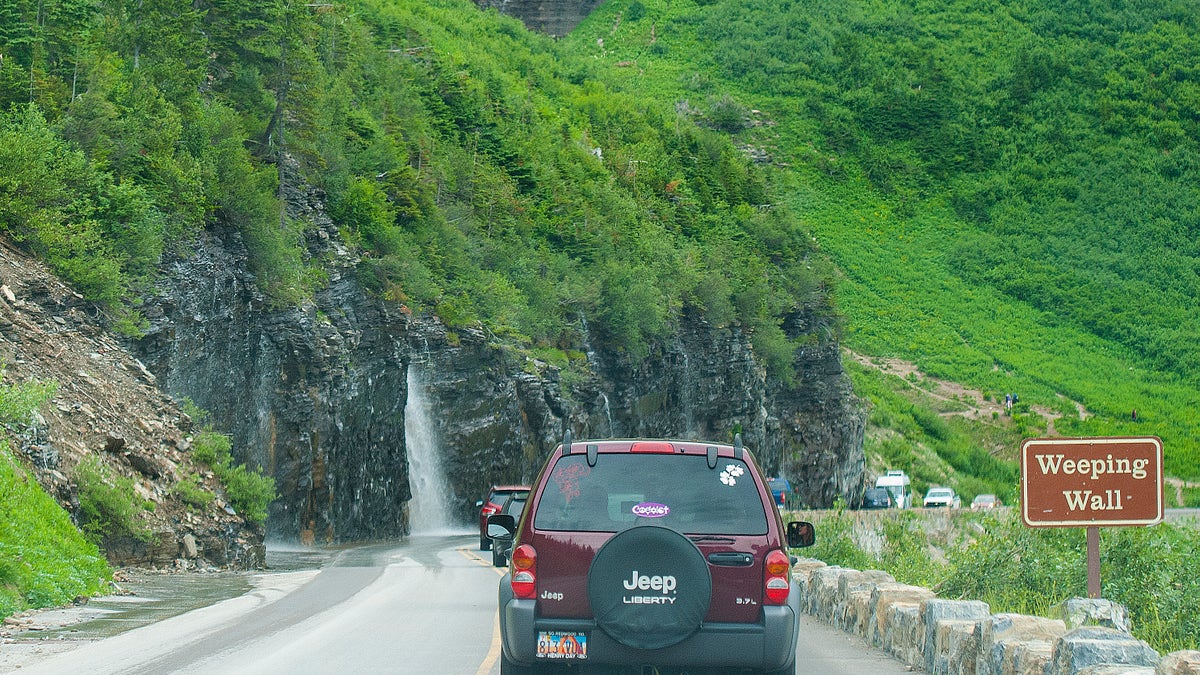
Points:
(649, 554)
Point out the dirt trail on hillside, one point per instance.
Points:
(977, 406)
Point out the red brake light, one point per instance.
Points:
(653, 446)
(777, 569)
(524, 572)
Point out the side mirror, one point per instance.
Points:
(479, 504)
(800, 534)
(501, 527)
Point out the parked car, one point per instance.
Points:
(877, 498)
(513, 505)
(649, 554)
(942, 497)
(985, 502)
(491, 504)
(780, 491)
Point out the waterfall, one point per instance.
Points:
(429, 509)
(687, 388)
(608, 414)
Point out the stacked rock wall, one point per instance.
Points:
(963, 637)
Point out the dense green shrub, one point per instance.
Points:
(248, 490)
(191, 492)
(108, 504)
(835, 543)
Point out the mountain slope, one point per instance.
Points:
(1008, 189)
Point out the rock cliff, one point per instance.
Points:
(108, 410)
(552, 17)
(316, 394)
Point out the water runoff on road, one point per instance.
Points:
(430, 511)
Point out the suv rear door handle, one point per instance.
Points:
(731, 559)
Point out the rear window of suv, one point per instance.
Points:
(677, 491)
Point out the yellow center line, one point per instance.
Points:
(493, 652)
(493, 655)
(474, 557)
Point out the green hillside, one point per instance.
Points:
(1009, 189)
(493, 179)
(1003, 193)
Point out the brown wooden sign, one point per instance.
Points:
(1083, 482)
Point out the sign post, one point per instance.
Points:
(1092, 482)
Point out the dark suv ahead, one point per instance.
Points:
(491, 505)
(649, 553)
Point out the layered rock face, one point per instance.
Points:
(552, 17)
(316, 395)
(313, 395)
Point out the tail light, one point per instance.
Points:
(777, 572)
(490, 509)
(524, 572)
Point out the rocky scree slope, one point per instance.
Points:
(110, 407)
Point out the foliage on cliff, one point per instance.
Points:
(1009, 188)
(491, 177)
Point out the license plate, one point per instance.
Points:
(566, 645)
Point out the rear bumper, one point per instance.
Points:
(768, 644)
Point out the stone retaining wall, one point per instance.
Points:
(963, 637)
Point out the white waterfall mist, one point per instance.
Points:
(429, 509)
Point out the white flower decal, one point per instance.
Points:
(731, 473)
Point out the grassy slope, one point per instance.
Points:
(44, 559)
(903, 290)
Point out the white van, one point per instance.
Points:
(896, 482)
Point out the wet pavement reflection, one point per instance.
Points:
(148, 596)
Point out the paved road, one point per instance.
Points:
(427, 605)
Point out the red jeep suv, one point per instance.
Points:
(649, 553)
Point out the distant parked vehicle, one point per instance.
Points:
(876, 498)
(491, 504)
(942, 497)
(780, 489)
(985, 502)
(896, 482)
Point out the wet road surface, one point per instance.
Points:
(425, 605)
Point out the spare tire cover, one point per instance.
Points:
(649, 587)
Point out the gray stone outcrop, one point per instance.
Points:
(552, 17)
